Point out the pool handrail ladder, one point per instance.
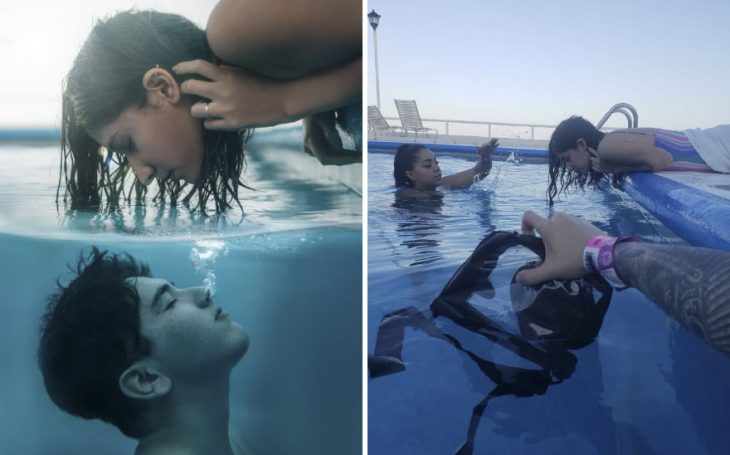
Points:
(621, 108)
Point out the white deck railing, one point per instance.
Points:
(444, 124)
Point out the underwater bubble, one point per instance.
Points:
(203, 257)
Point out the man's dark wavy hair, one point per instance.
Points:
(106, 79)
(564, 138)
(90, 334)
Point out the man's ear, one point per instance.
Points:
(142, 382)
(161, 87)
(581, 144)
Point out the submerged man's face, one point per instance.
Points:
(425, 173)
(165, 142)
(188, 332)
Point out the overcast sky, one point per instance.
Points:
(39, 40)
(536, 61)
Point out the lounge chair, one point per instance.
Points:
(410, 118)
(378, 123)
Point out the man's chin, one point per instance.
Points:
(242, 347)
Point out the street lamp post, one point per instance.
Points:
(374, 19)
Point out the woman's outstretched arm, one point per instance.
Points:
(690, 284)
(478, 171)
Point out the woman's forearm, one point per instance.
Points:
(690, 284)
(466, 178)
(459, 180)
(322, 91)
(284, 39)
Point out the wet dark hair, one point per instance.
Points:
(565, 137)
(405, 156)
(106, 79)
(90, 333)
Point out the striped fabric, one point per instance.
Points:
(684, 154)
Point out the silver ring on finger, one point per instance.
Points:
(207, 116)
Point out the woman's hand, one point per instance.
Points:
(600, 166)
(485, 151)
(238, 98)
(565, 237)
(322, 140)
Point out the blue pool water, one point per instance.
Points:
(288, 270)
(644, 386)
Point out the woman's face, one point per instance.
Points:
(425, 173)
(164, 141)
(576, 158)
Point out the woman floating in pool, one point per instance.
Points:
(130, 96)
(418, 175)
(582, 155)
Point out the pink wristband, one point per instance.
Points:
(598, 258)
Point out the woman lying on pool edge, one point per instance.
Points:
(579, 154)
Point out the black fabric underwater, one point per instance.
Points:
(553, 317)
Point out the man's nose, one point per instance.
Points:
(202, 296)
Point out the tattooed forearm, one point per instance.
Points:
(690, 284)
